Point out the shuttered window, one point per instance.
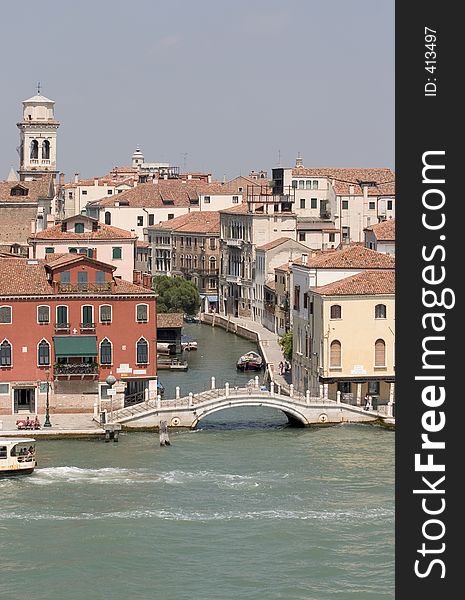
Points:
(380, 353)
(335, 354)
(336, 311)
(380, 311)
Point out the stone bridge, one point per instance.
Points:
(186, 412)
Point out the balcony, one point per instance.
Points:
(66, 371)
(233, 242)
(79, 288)
(233, 278)
(325, 214)
(87, 326)
(62, 327)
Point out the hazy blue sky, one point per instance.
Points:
(234, 84)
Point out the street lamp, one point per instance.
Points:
(47, 415)
(111, 380)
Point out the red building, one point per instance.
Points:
(66, 323)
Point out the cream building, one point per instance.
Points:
(382, 237)
(348, 346)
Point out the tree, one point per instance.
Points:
(286, 345)
(176, 294)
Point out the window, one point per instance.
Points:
(345, 205)
(235, 199)
(301, 184)
(4, 388)
(140, 221)
(108, 218)
(84, 192)
(5, 354)
(105, 313)
(117, 253)
(315, 184)
(380, 353)
(301, 236)
(49, 250)
(62, 316)
(389, 204)
(46, 149)
(65, 277)
(151, 219)
(335, 354)
(313, 202)
(110, 192)
(43, 314)
(207, 199)
(302, 203)
(332, 237)
(34, 149)
(373, 387)
(345, 233)
(87, 316)
(308, 184)
(105, 352)
(305, 300)
(43, 353)
(170, 216)
(142, 313)
(70, 195)
(240, 189)
(297, 297)
(380, 311)
(5, 314)
(72, 250)
(79, 228)
(336, 311)
(82, 280)
(343, 387)
(294, 184)
(100, 277)
(142, 352)
(372, 205)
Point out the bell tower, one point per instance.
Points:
(37, 138)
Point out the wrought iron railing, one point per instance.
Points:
(76, 369)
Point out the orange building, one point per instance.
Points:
(66, 323)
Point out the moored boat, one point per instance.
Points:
(188, 343)
(17, 456)
(251, 361)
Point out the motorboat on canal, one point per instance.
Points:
(251, 361)
(17, 456)
(188, 343)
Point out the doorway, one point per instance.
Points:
(24, 400)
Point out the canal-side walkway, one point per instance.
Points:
(266, 339)
(79, 425)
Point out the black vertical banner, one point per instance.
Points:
(430, 241)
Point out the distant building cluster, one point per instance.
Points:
(307, 250)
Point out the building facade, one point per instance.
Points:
(61, 337)
(382, 237)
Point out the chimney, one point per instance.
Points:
(61, 179)
(365, 192)
(351, 190)
(50, 221)
(209, 178)
(147, 280)
(96, 181)
(33, 225)
(136, 277)
(189, 176)
(304, 259)
(76, 177)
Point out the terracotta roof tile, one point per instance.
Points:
(384, 231)
(367, 283)
(40, 188)
(194, 222)
(354, 256)
(15, 224)
(344, 178)
(104, 232)
(170, 320)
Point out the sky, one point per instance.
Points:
(222, 86)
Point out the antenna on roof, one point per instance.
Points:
(184, 158)
(279, 158)
(38, 87)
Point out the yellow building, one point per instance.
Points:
(350, 337)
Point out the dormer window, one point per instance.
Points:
(19, 190)
(79, 228)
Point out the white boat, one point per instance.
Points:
(188, 343)
(252, 361)
(17, 456)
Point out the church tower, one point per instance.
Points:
(38, 138)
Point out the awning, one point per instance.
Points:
(75, 345)
(212, 298)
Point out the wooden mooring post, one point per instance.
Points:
(163, 433)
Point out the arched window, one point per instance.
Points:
(212, 262)
(5, 354)
(380, 353)
(336, 311)
(105, 352)
(34, 149)
(380, 311)
(46, 149)
(43, 353)
(108, 218)
(43, 314)
(182, 260)
(335, 354)
(142, 352)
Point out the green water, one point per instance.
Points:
(244, 508)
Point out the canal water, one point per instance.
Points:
(243, 508)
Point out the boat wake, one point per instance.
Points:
(52, 475)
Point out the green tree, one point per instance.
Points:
(176, 294)
(286, 345)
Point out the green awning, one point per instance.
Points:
(75, 345)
